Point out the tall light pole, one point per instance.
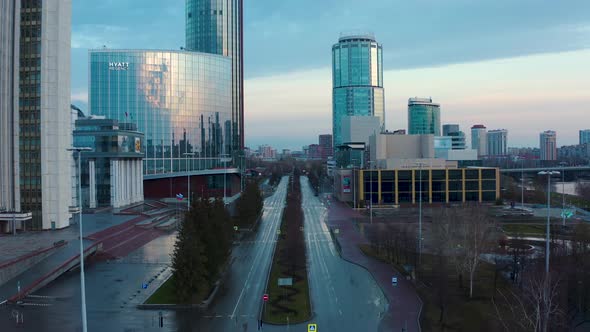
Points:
(548, 173)
(563, 193)
(82, 284)
(371, 191)
(225, 158)
(188, 177)
(353, 183)
(522, 182)
(420, 164)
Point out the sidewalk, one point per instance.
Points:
(404, 303)
(21, 244)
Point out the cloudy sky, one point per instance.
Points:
(522, 65)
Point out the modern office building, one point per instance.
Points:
(423, 117)
(111, 173)
(181, 101)
(497, 142)
(44, 112)
(479, 140)
(548, 145)
(216, 27)
(457, 136)
(325, 142)
(402, 185)
(9, 81)
(584, 136)
(357, 76)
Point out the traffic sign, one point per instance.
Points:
(312, 327)
(265, 297)
(235, 228)
(285, 281)
(394, 281)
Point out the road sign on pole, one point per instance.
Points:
(394, 281)
(285, 281)
(312, 327)
(265, 297)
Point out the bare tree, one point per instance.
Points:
(534, 307)
(467, 232)
(583, 190)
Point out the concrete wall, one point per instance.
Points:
(12, 269)
(359, 128)
(387, 146)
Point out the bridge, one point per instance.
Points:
(540, 169)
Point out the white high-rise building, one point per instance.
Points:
(44, 112)
(9, 78)
(479, 140)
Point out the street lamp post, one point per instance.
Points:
(225, 160)
(563, 192)
(421, 165)
(188, 178)
(82, 283)
(522, 183)
(548, 173)
(371, 192)
(353, 183)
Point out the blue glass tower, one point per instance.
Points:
(357, 76)
(216, 26)
(423, 117)
(180, 100)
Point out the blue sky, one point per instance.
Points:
(520, 65)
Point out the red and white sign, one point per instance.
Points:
(265, 297)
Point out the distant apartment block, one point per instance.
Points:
(479, 140)
(548, 145)
(497, 142)
(325, 142)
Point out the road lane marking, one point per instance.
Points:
(270, 231)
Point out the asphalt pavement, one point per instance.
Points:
(238, 305)
(345, 297)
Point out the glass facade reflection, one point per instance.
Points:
(216, 26)
(357, 74)
(180, 100)
(423, 117)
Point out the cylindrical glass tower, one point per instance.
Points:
(216, 26)
(423, 117)
(357, 75)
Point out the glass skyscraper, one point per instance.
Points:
(216, 26)
(180, 100)
(357, 76)
(423, 117)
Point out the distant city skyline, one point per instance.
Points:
(494, 73)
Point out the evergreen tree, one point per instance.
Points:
(189, 259)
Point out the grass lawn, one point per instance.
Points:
(164, 295)
(299, 302)
(460, 312)
(519, 229)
